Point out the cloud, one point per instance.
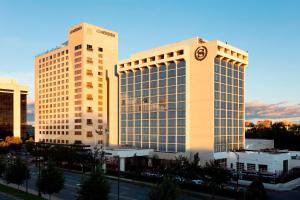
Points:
(280, 110)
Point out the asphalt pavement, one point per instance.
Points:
(128, 191)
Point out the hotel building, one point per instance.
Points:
(13, 102)
(72, 81)
(187, 96)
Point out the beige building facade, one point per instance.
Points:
(13, 102)
(183, 97)
(72, 81)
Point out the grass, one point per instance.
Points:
(19, 194)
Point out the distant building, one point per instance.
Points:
(13, 108)
(264, 123)
(271, 161)
(258, 144)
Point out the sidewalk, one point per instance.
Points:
(31, 191)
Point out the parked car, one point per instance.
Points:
(197, 182)
(179, 179)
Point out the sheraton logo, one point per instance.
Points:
(201, 53)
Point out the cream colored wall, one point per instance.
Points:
(199, 87)
(93, 35)
(200, 100)
(36, 98)
(11, 84)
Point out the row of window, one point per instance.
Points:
(53, 56)
(153, 58)
(58, 141)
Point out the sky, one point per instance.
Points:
(269, 30)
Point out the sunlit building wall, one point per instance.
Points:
(187, 96)
(72, 81)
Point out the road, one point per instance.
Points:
(4, 196)
(128, 191)
(288, 195)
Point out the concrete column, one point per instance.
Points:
(17, 113)
(122, 164)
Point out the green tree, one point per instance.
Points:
(51, 180)
(30, 145)
(218, 176)
(17, 172)
(94, 187)
(256, 191)
(2, 166)
(166, 190)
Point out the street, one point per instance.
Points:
(289, 195)
(128, 191)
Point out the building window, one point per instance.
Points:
(262, 168)
(89, 134)
(77, 126)
(89, 97)
(77, 132)
(89, 47)
(240, 166)
(100, 49)
(89, 121)
(89, 72)
(89, 60)
(250, 167)
(78, 47)
(89, 109)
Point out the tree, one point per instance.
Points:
(256, 191)
(30, 145)
(166, 190)
(2, 166)
(218, 176)
(14, 143)
(94, 187)
(51, 180)
(17, 172)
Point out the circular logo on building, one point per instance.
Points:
(201, 53)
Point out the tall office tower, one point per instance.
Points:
(183, 97)
(13, 108)
(72, 81)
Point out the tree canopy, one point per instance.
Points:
(51, 180)
(166, 190)
(17, 172)
(94, 187)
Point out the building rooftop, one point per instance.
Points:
(53, 49)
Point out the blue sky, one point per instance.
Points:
(269, 30)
